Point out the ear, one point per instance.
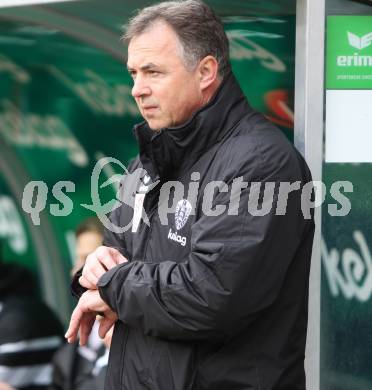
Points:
(208, 72)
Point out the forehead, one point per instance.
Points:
(158, 44)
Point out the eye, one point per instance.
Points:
(153, 72)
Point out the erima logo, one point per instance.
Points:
(356, 59)
(359, 42)
(176, 237)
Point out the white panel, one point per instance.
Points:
(349, 126)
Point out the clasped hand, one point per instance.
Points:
(90, 303)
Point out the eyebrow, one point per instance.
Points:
(144, 67)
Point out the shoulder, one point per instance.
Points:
(259, 150)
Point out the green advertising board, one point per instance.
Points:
(346, 245)
(349, 52)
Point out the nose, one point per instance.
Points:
(140, 87)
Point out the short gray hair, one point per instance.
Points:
(199, 30)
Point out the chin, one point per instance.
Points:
(155, 125)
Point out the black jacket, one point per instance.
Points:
(211, 302)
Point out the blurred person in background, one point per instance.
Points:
(30, 333)
(83, 367)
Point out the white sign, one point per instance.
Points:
(348, 126)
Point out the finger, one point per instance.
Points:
(90, 277)
(86, 283)
(93, 263)
(105, 325)
(105, 256)
(72, 331)
(91, 273)
(86, 325)
(118, 257)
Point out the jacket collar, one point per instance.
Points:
(165, 152)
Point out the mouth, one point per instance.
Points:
(145, 108)
(149, 110)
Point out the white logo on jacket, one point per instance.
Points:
(183, 211)
(176, 237)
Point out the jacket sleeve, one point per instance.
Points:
(235, 270)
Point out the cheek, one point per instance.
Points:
(169, 104)
(187, 99)
(177, 101)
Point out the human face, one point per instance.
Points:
(166, 92)
(86, 243)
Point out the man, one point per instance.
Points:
(214, 294)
